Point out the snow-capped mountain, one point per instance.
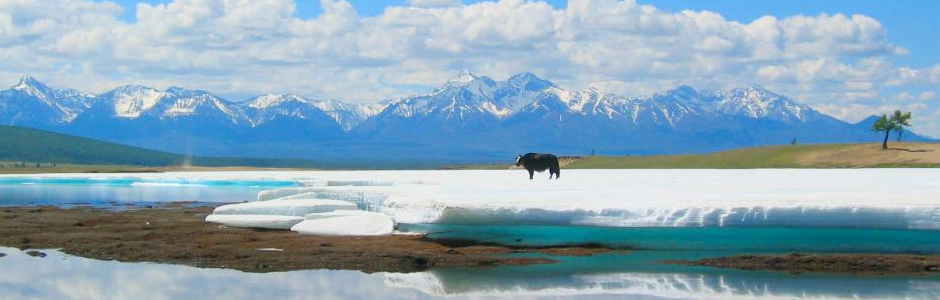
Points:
(31, 101)
(466, 115)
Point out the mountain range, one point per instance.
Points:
(469, 118)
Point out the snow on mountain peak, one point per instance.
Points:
(271, 99)
(33, 87)
(755, 101)
(463, 76)
(131, 101)
(529, 81)
(68, 102)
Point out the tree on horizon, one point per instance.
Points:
(896, 122)
(900, 120)
(883, 124)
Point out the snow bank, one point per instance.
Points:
(255, 221)
(287, 207)
(346, 223)
(872, 198)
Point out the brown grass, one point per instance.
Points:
(864, 155)
(178, 235)
(871, 264)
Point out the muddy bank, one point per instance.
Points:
(177, 234)
(863, 264)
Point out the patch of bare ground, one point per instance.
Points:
(862, 264)
(865, 155)
(177, 234)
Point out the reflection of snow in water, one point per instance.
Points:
(61, 276)
(671, 285)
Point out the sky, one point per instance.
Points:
(849, 59)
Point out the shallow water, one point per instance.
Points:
(740, 239)
(59, 276)
(114, 191)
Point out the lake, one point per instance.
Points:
(661, 214)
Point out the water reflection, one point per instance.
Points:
(65, 277)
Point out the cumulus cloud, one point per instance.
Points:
(244, 47)
(433, 3)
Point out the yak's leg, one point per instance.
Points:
(531, 174)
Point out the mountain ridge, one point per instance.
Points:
(469, 116)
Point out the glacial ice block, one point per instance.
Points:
(285, 207)
(346, 223)
(255, 221)
(284, 192)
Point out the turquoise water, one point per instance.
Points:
(744, 239)
(116, 191)
(131, 181)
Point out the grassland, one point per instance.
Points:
(27, 147)
(900, 155)
(798, 156)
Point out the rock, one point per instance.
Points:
(35, 253)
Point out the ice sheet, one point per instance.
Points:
(286, 207)
(876, 198)
(346, 223)
(255, 221)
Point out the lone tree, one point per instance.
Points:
(900, 120)
(896, 122)
(883, 124)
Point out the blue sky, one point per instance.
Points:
(846, 58)
(911, 23)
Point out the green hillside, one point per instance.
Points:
(18, 144)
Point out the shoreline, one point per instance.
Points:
(798, 263)
(177, 234)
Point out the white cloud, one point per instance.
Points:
(433, 3)
(244, 47)
(929, 95)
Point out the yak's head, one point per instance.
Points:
(518, 160)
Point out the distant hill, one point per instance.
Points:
(467, 119)
(32, 145)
